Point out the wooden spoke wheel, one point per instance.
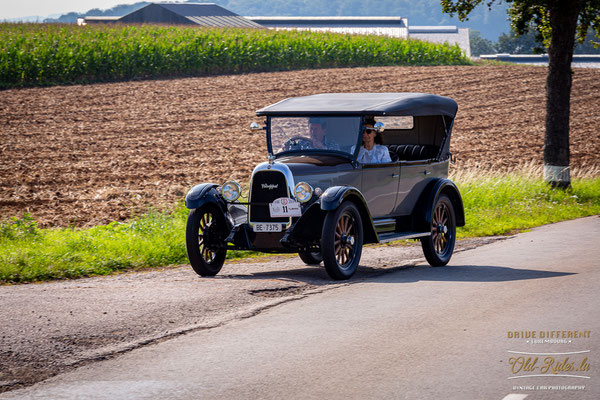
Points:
(341, 241)
(439, 246)
(205, 240)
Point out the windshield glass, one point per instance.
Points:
(299, 134)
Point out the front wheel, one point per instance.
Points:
(341, 241)
(438, 247)
(205, 240)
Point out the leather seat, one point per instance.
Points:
(410, 152)
(392, 149)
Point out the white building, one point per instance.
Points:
(442, 34)
(387, 26)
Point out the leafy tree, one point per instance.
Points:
(526, 43)
(479, 44)
(591, 44)
(119, 10)
(557, 23)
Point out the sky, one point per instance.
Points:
(24, 8)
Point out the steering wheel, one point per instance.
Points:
(298, 143)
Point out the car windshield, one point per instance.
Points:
(301, 134)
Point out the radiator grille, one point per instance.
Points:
(266, 187)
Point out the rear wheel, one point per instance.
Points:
(341, 241)
(439, 246)
(311, 257)
(205, 240)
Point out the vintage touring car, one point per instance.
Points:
(315, 197)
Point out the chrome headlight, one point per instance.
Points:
(231, 190)
(303, 192)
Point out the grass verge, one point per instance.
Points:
(155, 239)
(504, 203)
(495, 204)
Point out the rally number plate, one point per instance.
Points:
(285, 207)
(264, 227)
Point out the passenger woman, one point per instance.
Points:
(372, 150)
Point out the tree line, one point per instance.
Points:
(511, 43)
(490, 23)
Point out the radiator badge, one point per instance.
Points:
(269, 186)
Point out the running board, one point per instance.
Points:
(388, 237)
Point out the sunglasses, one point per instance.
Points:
(370, 130)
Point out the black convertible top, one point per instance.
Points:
(415, 104)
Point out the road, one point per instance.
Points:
(50, 328)
(417, 332)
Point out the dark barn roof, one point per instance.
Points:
(415, 104)
(332, 22)
(203, 14)
(197, 9)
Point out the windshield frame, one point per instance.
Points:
(287, 153)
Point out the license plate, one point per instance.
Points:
(284, 207)
(265, 227)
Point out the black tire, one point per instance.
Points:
(311, 257)
(439, 246)
(341, 241)
(205, 240)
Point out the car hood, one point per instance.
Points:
(316, 164)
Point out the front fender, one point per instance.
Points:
(335, 195)
(424, 211)
(202, 194)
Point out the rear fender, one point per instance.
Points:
(335, 195)
(423, 213)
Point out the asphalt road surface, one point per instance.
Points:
(518, 318)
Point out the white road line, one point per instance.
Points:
(549, 354)
(514, 396)
(533, 376)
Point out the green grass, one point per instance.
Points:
(28, 253)
(495, 204)
(49, 54)
(498, 204)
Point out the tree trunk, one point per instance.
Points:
(563, 21)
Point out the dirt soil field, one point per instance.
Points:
(86, 155)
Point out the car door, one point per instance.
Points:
(379, 187)
(414, 176)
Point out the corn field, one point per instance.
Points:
(51, 54)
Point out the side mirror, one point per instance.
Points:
(379, 127)
(255, 126)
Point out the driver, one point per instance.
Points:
(318, 134)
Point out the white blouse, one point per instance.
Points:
(378, 154)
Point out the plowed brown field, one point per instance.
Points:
(84, 155)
